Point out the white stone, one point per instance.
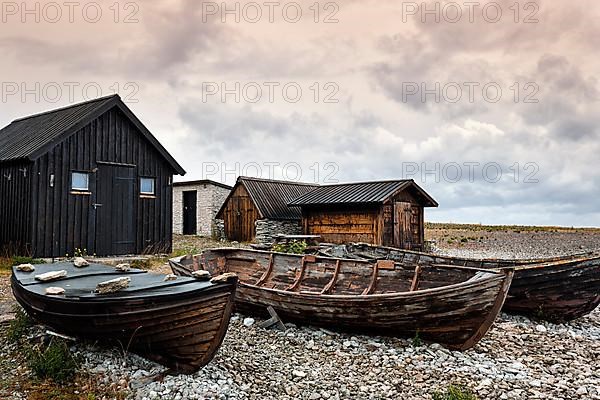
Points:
(541, 328)
(201, 275)
(123, 267)
(51, 275)
(298, 373)
(25, 268)
(226, 277)
(170, 277)
(582, 391)
(53, 290)
(80, 262)
(248, 321)
(113, 285)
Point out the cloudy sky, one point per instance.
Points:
(492, 107)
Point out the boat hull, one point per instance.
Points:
(181, 329)
(455, 315)
(558, 289)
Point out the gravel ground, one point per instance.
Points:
(517, 359)
(513, 243)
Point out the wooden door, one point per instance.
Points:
(114, 209)
(189, 212)
(403, 235)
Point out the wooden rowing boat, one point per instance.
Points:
(178, 323)
(557, 289)
(450, 305)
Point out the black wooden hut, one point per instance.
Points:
(89, 176)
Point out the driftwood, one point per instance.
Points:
(51, 275)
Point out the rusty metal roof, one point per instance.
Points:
(28, 138)
(360, 193)
(271, 196)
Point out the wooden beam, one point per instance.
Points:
(415, 280)
(373, 283)
(305, 259)
(331, 283)
(268, 271)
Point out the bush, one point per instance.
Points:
(293, 247)
(55, 361)
(17, 260)
(454, 392)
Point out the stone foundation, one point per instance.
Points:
(267, 229)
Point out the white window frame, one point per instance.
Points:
(87, 181)
(151, 179)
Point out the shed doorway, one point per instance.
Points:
(407, 226)
(189, 212)
(114, 210)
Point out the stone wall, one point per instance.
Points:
(209, 199)
(266, 229)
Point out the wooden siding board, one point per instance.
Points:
(65, 221)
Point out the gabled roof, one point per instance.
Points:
(375, 192)
(30, 137)
(271, 197)
(202, 182)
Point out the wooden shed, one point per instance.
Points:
(388, 213)
(255, 201)
(89, 176)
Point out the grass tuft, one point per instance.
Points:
(54, 361)
(454, 392)
(19, 326)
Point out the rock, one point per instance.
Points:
(226, 277)
(541, 328)
(170, 277)
(201, 275)
(124, 267)
(298, 373)
(113, 285)
(51, 275)
(80, 262)
(248, 321)
(53, 290)
(25, 267)
(581, 391)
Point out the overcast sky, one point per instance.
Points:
(492, 107)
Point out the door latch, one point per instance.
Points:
(96, 205)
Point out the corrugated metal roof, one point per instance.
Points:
(271, 196)
(357, 193)
(25, 136)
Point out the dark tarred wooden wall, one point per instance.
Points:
(15, 183)
(60, 222)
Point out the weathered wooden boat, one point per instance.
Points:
(557, 289)
(178, 323)
(451, 305)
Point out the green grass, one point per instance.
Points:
(454, 392)
(54, 361)
(19, 326)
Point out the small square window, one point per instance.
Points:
(80, 181)
(147, 185)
